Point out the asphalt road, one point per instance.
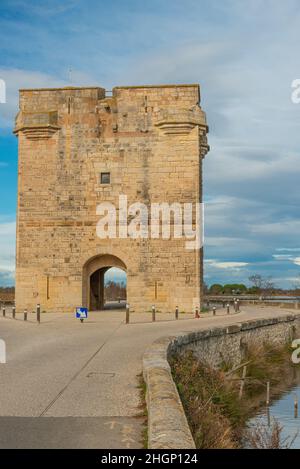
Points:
(73, 385)
(70, 432)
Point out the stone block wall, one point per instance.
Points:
(228, 344)
(151, 139)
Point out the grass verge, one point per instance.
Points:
(143, 409)
(211, 398)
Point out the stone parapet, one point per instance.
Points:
(167, 424)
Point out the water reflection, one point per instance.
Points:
(286, 412)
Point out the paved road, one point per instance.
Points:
(67, 384)
(70, 432)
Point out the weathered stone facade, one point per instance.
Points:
(151, 139)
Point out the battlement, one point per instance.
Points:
(192, 85)
(39, 96)
(142, 108)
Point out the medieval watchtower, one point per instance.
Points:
(79, 148)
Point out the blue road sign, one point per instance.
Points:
(81, 313)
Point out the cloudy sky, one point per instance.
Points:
(245, 56)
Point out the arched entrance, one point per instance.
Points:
(93, 279)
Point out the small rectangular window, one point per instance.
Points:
(105, 178)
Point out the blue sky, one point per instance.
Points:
(244, 55)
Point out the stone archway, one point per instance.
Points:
(93, 279)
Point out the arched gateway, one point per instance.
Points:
(93, 279)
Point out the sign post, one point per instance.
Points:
(81, 313)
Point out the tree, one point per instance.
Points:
(114, 290)
(235, 288)
(253, 290)
(216, 289)
(257, 281)
(268, 285)
(261, 284)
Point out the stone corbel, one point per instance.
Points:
(180, 121)
(37, 125)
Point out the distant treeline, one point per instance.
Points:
(114, 290)
(260, 285)
(228, 289)
(7, 293)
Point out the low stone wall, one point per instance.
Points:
(277, 304)
(255, 302)
(167, 423)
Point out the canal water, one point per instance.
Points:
(283, 410)
(283, 299)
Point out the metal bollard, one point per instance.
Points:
(14, 312)
(25, 314)
(176, 312)
(153, 313)
(228, 308)
(127, 313)
(214, 311)
(197, 316)
(38, 313)
(3, 311)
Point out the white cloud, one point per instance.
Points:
(277, 227)
(251, 175)
(287, 258)
(288, 249)
(7, 252)
(283, 257)
(7, 229)
(226, 265)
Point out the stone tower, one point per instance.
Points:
(80, 147)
